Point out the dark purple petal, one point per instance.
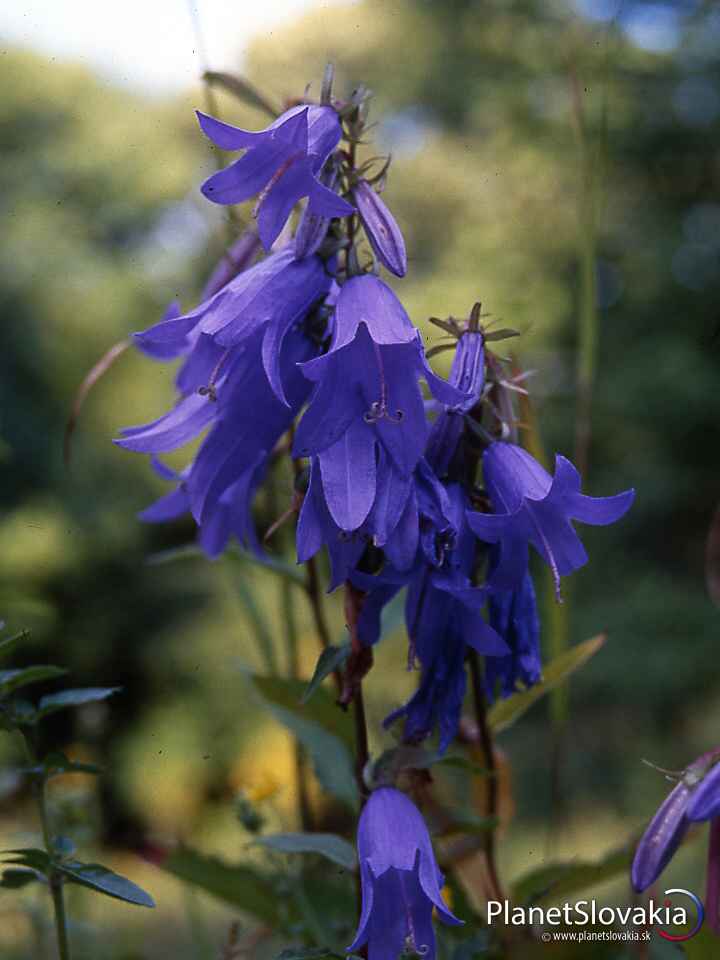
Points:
(324, 134)
(295, 182)
(468, 368)
(401, 546)
(381, 229)
(366, 299)
(661, 839)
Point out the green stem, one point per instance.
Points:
(287, 599)
(54, 878)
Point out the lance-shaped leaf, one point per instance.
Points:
(331, 659)
(16, 879)
(328, 845)
(12, 680)
(27, 857)
(323, 729)
(73, 698)
(9, 643)
(504, 713)
(241, 886)
(560, 880)
(99, 878)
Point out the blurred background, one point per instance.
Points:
(557, 160)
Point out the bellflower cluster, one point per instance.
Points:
(303, 342)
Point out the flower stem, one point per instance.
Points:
(54, 877)
(314, 595)
(362, 752)
(288, 608)
(491, 802)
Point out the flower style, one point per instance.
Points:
(381, 229)
(400, 878)
(367, 397)
(281, 163)
(531, 507)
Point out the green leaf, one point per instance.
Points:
(260, 627)
(321, 726)
(16, 879)
(556, 880)
(331, 659)
(328, 845)
(99, 878)
(505, 712)
(242, 89)
(241, 886)
(9, 644)
(28, 857)
(12, 680)
(276, 565)
(74, 698)
(323, 710)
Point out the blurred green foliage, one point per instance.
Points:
(103, 225)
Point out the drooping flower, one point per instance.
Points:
(400, 878)
(281, 163)
(367, 396)
(531, 507)
(381, 229)
(270, 297)
(443, 620)
(246, 419)
(513, 615)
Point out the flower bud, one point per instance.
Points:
(381, 229)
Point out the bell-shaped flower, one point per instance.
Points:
(531, 507)
(281, 164)
(245, 420)
(381, 229)
(401, 881)
(271, 297)
(513, 615)
(366, 397)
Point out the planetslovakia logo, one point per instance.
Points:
(660, 915)
(700, 910)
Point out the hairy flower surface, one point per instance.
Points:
(281, 164)
(400, 877)
(531, 507)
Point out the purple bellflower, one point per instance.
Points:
(246, 419)
(531, 507)
(443, 619)
(367, 398)
(694, 798)
(513, 615)
(281, 164)
(381, 229)
(271, 297)
(401, 881)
